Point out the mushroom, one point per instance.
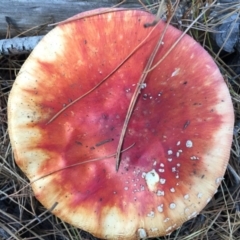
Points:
(178, 140)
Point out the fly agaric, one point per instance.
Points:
(177, 144)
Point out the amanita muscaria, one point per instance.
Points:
(178, 139)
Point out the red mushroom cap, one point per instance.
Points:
(181, 126)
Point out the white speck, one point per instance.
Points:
(160, 193)
(177, 176)
(152, 178)
(176, 72)
(169, 229)
(143, 85)
(161, 165)
(172, 189)
(154, 229)
(162, 181)
(144, 175)
(169, 159)
(166, 219)
(194, 214)
(126, 188)
(189, 144)
(150, 97)
(186, 196)
(128, 90)
(170, 152)
(186, 210)
(114, 192)
(172, 205)
(162, 43)
(160, 94)
(178, 143)
(142, 188)
(151, 214)
(194, 158)
(178, 152)
(155, 162)
(199, 195)
(178, 164)
(161, 170)
(174, 169)
(208, 200)
(160, 208)
(142, 233)
(218, 180)
(127, 182)
(174, 225)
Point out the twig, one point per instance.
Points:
(180, 38)
(139, 85)
(235, 175)
(70, 166)
(18, 45)
(103, 80)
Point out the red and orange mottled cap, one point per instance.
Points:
(180, 131)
